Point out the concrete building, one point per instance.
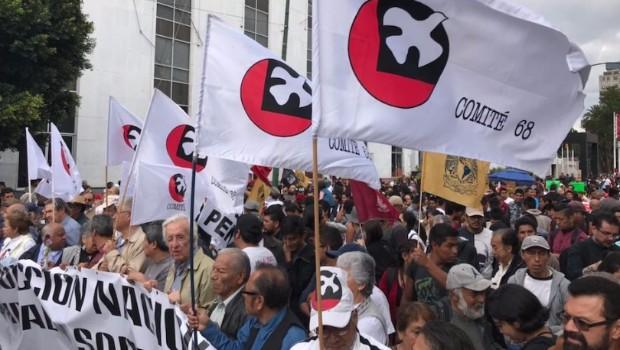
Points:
(611, 76)
(144, 44)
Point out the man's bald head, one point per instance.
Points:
(54, 236)
(17, 207)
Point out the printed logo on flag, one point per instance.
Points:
(177, 187)
(331, 291)
(276, 98)
(461, 175)
(65, 159)
(180, 147)
(398, 50)
(131, 134)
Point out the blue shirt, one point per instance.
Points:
(72, 231)
(220, 341)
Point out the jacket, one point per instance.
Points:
(584, 254)
(203, 265)
(557, 298)
(515, 265)
(132, 255)
(234, 315)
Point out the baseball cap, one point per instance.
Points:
(396, 200)
(347, 248)
(250, 223)
(251, 205)
(473, 212)
(466, 276)
(534, 241)
(336, 299)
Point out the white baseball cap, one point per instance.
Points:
(336, 299)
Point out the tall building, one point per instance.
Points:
(141, 45)
(611, 76)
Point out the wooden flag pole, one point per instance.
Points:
(317, 241)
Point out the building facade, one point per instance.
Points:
(147, 44)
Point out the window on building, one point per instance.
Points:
(309, 45)
(397, 161)
(256, 22)
(172, 49)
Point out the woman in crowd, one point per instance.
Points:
(393, 280)
(411, 319)
(520, 316)
(17, 238)
(441, 335)
(377, 248)
(506, 258)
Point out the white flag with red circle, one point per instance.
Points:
(124, 130)
(66, 179)
(257, 109)
(483, 79)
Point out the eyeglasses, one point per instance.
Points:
(582, 325)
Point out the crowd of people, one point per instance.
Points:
(532, 268)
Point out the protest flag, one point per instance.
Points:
(260, 192)
(262, 172)
(481, 79)
(257, 110)
(371, 204)
(457, 179)
(37, 164)
(66, 181)
(124, 130)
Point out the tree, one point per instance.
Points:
(599, 120)
(43, 45)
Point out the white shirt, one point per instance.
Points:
(497, 279)
(218, 313)
(15, 247)
(540, 288)
(482, 242)
(372, 327)
(313, 344)
(260, 255)
(380, 300)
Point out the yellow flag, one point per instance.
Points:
(302, 178)
(260, 191)
(457, 179)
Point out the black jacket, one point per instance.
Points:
(234, 316)
(515, 264)
(584, 254)
(33, 254)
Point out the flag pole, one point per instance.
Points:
(29, 185)
(317, 241)
(421, 193)
(49, 130)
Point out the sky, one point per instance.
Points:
(594, 25)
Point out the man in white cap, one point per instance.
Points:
(475, 231)
(339, 315)
(549, 286)
(467, 288)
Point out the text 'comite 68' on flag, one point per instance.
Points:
(256, 109)
(483, 79)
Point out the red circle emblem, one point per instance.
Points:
(180, 147)
(177, 187)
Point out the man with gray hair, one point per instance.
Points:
(56, 211)
(158, 260)
(129, 253)
(231, 271)
(360, 268)
(176, 235)
(467, 294)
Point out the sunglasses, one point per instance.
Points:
(582, 325)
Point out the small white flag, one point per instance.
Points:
(124, 131)
(37, 164)
(67, 182)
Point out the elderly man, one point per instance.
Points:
(271, 324)
(340, 316)
(56, 211)
(48, 254)
(176, 234)
(591, 314)
(360, 268)
(467, 293)
(158, 260)
(231, 271)
(129, 253)
(549, 286)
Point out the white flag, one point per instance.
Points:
(257, 110)
(482, 79)
(168, 139)
(37, 164)
(163, 192)
(123, 133)
(67, 182)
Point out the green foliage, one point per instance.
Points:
(599, 120)
(43, 49)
